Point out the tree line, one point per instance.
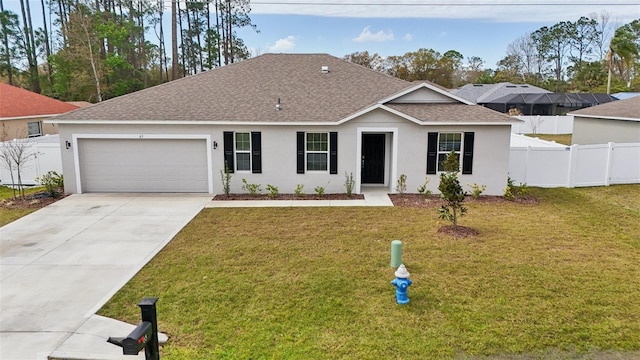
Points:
(92, 50)
(588, 55)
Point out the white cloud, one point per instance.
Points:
(367, 36)
(408, 37)
(283, 45)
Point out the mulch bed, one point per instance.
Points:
(289, 197)
(31, 201)
(457, 231)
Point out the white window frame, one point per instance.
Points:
(307, 152)
(445, 152)
(237, 151)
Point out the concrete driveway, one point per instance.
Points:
(60, 264)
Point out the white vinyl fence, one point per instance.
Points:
(42, 157)
(544, 125)
(576, 165)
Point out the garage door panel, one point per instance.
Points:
(143, 165)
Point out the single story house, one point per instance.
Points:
(22, 113)
(282, 120)
(617, 122)
(483, 93)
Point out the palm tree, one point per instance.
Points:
(623, 49)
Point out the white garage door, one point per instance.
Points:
(143, 165)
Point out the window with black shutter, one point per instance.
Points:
(242, 151)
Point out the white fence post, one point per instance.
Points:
(573, 160)
(607, 178)
(526, 164)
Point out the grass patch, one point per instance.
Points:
(9, 214)
(553, 280)
(559, 138)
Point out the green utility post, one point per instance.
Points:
(396, 253)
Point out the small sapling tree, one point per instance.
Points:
(226, 179)
(401, 184)
(15, 154)
(349, 183)
(451, 190)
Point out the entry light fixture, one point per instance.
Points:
(215, 145)
(67, 145)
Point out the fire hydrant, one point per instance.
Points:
(401, 282)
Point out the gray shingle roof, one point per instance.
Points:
(249, 90)
(453, 112)
(625, 109)
(482, 93)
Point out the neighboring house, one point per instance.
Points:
(625, 95)
(483, 93)
(617, 122)
(22, 113)
(282, 120)
(547, 104)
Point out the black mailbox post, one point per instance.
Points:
(145, 335)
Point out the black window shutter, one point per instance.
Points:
(256, 153)
(333, 152)
(228, 150)
(432, 153)
(467, 156)
(300, 152)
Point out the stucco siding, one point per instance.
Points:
(588, 131)
(423, 95)
(490, 160)
(18, 128)
(405, 152)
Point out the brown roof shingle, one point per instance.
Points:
(249, 90)
(452, 112)
(628, 109)
(17, 102)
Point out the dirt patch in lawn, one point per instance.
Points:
(457, 231)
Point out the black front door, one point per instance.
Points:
(372, 161)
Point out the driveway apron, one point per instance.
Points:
(60, 264)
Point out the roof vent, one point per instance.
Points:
(325, 69)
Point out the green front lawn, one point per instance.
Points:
(556, 279)
(11, 212)
(559, 138)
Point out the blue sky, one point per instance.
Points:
(385, 36)
(394, 27)
(473, 28)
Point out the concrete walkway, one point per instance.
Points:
(61, 264)
(372, 197)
